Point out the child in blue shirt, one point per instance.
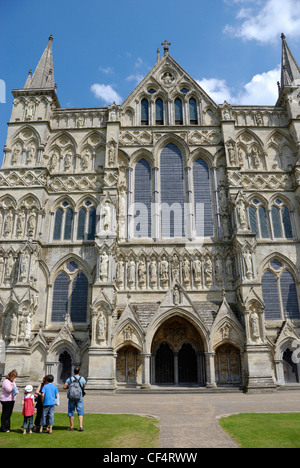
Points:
(48, 394)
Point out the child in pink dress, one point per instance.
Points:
(28, 408)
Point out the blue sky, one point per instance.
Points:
(231, 47)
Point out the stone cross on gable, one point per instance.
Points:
(166, 45)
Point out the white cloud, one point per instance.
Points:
(264, 21)
(106, 93)
(261, 90)
(106, 70)
(136, 78)
(217, 89)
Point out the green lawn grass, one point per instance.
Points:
(259, 430)
(101, 431)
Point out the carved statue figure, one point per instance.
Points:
(107, 216)
(248, 264)
(186, 271)
(197, 270)
(8, 224)
(254, 325)
(242, 216)
(176, 295)
(164, 270)
(104, 267)
(208, 271)
(101, 327)
(153, 272)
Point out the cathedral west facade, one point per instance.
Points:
(154, 242)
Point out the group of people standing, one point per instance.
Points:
(43, 401)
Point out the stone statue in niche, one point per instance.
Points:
(153, 272)
(9, 269)
(226, 114)
(31, 225)
(30, 110)
(34, 267)
(11, 327)
(241, 157)
(113, 113)
(101, 327)
(128, 333)
(208, 271)
(197, 270)
(16, 154)
(28, 326)
(8, 224)
(168, 79)
(31, 155)
(80, 122)
(85, 160)
(223, 200)
(255, 157)
(229, 269)
(247, 256)
(231, 152)
(53, 162)
(254, 325)
(186, 271)
(176, 295)
(120, 273)
(175, 268)
(107, 216)
(21, 223)
(226, 332)
(164, 270)
(226, 227)
(131, 273)
(219, 270)
(112, 153)
(104, 267)
(242, 215)
(68, 161)
(142, 272)
(24, 268)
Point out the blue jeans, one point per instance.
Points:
(28, 422)
(78, 405)
(48, 415)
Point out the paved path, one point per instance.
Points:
(189, 420)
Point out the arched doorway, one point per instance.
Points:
(129, 366)
(177, 354)
(228, 365)
(187, 364)
(164, 364)
(290, 369)
(64, 367)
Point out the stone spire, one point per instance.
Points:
(43, 76)
(290, 71)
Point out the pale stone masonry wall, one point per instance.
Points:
(202, 299)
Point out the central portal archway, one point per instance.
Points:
(177, 354)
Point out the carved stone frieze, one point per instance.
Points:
(266, 181)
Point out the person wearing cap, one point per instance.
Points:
(28, 408)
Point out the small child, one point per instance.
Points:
(28, 408)
(49, 393)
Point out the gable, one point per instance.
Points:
(167, 80)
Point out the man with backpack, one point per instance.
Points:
(75, 386)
